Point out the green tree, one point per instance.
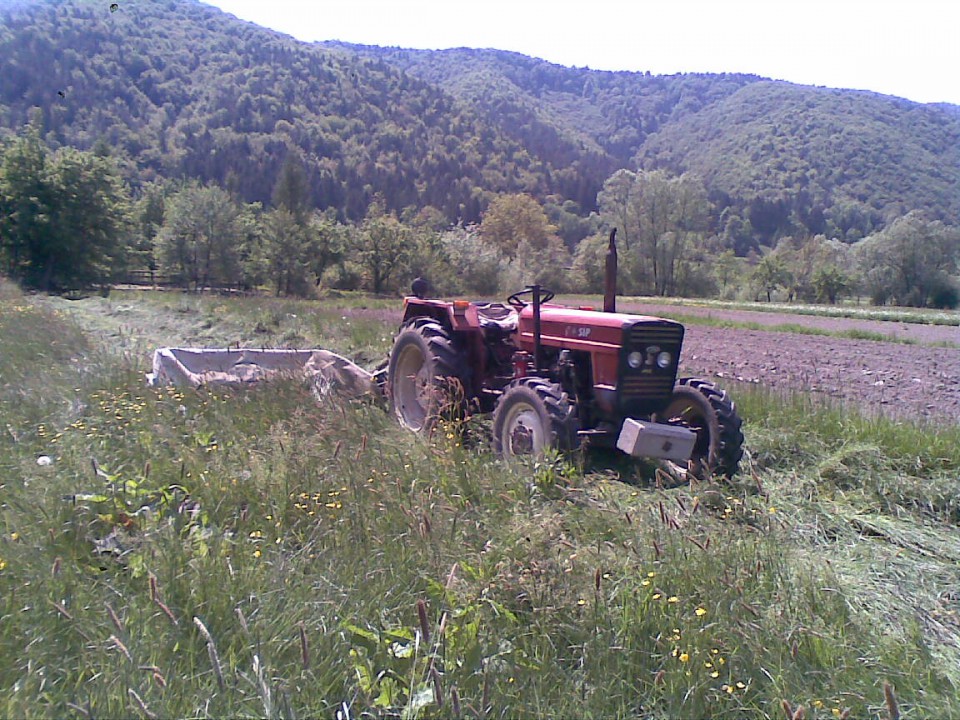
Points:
(286, 249)
(292, 189)
(64, 215)
(911, 261)
(512, 220)
(383, 247)
(330, 240)
(90, 221)
(472, 265)
(147, 221)
(770, 274)
(830, 282)
(665, 218)
(24, 203)
(817, 268)
(201, 238)
(589, 261)
(726, 268)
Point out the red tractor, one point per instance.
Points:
(556, 377)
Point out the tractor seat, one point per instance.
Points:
(497, 315)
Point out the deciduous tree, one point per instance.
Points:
(201, 237)
(662, 218)
(63, 215)
(383, 247)
(511, 220)
(911, 261)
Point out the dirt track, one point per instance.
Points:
(891, 378)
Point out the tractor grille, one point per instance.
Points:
(649, 386)
(640, 336)
(647, 389)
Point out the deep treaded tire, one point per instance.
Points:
(702, 406)
(534, 415)
(423, 384)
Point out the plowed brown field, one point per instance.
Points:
(891, 378)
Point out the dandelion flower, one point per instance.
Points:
(700, 612)
(673, 599)
(684, 657)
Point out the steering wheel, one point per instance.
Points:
(517, 302)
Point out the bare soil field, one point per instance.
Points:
(891, 378)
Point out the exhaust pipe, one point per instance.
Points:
(537, 342)
(610, 275)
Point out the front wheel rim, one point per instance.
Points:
(523, 432)
(412, 388)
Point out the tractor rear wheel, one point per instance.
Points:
(532, 416)
(706, 409)
(422, 380)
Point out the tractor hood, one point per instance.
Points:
(588, 330)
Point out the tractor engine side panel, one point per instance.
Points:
(599, 334)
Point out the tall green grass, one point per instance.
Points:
(224, 553)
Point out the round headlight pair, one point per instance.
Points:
(635, 359)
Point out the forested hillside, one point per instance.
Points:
(592, 120)
(179, 89)
(165, 136)
(840, 162)
(781, 159)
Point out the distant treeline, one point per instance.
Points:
(68, 221)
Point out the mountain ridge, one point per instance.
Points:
(180, 89)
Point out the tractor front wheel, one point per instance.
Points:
(422, 380)
(532, 416)
(707, 410)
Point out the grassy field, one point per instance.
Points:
(178, 553)
(848, 309)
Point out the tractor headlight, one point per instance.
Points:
(664, 359)
(635, 359)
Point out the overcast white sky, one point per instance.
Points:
(908, 48)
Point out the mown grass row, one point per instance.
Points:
(922, 316)
(798, 329)
(217, 553)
